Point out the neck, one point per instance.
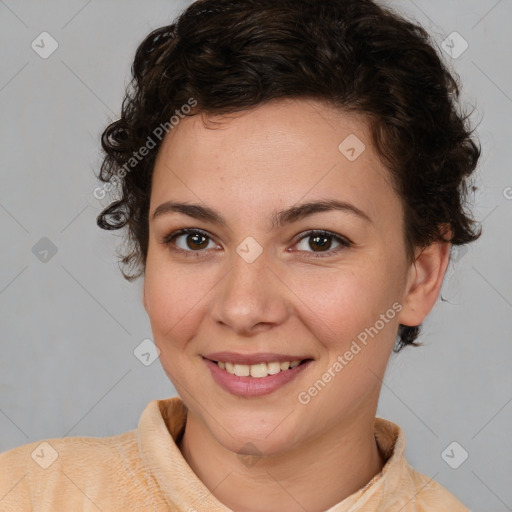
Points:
(315, 476)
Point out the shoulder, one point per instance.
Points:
(431, 496)
(65, 451)
(38, 470)
(400, 487)
(104, 473)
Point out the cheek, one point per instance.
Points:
(343, 313)
(342, 303)
(175, 299)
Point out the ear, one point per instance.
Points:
(144, 296)
(424, 283)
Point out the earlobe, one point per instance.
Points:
(424, 283)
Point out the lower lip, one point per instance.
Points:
(253, 386)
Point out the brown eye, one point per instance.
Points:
(321, 242)
(196, 241)
(188, 241)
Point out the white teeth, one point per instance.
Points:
(273, 368)
(258, 370)
(242, 370)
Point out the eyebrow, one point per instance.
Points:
(279, 218)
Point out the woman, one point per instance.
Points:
(292, 174)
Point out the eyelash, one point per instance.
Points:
(344, 243)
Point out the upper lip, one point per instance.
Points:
(263, 357)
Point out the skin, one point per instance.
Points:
(246, 166)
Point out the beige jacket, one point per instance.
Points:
(143, 470)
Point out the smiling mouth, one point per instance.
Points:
(259, 370)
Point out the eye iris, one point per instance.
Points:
(315, 240)
(195, 237)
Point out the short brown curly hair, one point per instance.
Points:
(354, 55)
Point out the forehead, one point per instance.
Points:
(273, 155)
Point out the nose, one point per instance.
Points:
(251, 298)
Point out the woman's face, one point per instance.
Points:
(250, 290)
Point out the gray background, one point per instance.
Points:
(69, 325)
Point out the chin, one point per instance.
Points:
(245, 437)
(247, 445)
